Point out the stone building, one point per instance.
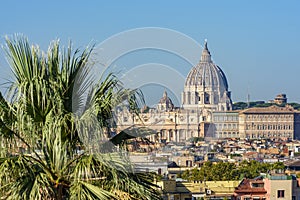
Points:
(280, 99)
(182, 190)
(207, 112)
(226, 124)
(269, 122)
(251, 189)
(205, 91)
(269, 187)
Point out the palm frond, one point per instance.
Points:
(41, 136)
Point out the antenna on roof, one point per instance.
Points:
(248, 97)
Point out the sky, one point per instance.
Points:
(256, 43)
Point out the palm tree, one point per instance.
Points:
(42, 131)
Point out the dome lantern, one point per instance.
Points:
(205, 57)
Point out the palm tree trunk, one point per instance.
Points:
(60, 192)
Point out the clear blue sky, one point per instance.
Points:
(256, 43)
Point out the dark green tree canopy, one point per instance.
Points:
(224, 171)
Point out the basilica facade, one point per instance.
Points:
(206, 112)
(205, 91)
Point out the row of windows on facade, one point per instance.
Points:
(248, 126)
(206, 98)
(218, 133)
(269, 117)
(269, 127)
(226, 134)
(276, 117)
(226, 118)
(125, 119)
(233, 134)
(226, 126)
(172, 119)
(236, 118)
(264, 135)
(171, 134)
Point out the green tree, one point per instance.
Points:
(249, 169)
(277, 166)
(224, 171)
(186, 175)
(41, 135)
(252, 169)
(221, 171)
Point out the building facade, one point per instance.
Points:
(226, 124)
(269, 187)
(183, 190)
(207, 112)
(269, 122)
(205, 92)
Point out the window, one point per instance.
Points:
(280, 193)
(206, 98)
(257, 185)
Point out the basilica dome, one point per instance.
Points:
(207, 74)
(206, 86)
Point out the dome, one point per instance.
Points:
(207, 74)
(165, 102)
(206, 86)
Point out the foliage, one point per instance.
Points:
(295, 105)
(239, 106)
(235, 155)
(225, 171)
(297, 154)
(244, 105)
(196, 139)
(49, 148)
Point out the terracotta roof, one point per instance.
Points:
(293, 163)
(250, 153)
(246, 187)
